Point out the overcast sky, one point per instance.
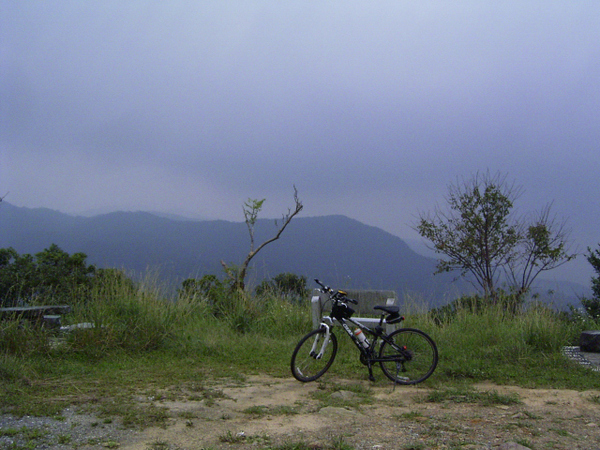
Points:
(370, 108)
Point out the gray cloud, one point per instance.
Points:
(371, 109)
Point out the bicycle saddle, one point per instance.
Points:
(393, 313)
(388, 309)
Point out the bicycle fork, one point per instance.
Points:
(313, 351)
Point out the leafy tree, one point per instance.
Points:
(18, 276)
(50, 275)
(251, 210)
(110, 283)
(592, 305)
(480, 236)
(209, 287)
(542, 246)
(286, 284)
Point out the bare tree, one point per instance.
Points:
(251, 209)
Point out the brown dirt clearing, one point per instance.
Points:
(263, 412)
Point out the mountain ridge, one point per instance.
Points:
(337, 249)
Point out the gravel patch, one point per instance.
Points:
(67, 431)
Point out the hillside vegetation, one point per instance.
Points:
(141, 337)
(343, 251)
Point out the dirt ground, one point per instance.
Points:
(263, 412)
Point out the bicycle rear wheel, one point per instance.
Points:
(409, 357)
(312, 357)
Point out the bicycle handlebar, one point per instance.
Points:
(339, 296)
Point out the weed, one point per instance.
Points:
(410, 415)
(594, 399)
(458, 395)
(260, 410)
(524, 442)
(9, 432)
(293, 446)
(257, 410)
(338, 443)
(32, 433)
(188, 415)
(64, 439)
(231, 438)
(532, 415)
(159, 445)
(560, 432)
(133, 414)
(414, 446)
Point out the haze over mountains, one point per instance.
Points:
(341, 251)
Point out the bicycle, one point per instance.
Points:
(406, 356)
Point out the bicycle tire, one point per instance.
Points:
(305, 367)
(414, 361)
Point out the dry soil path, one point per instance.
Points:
(264, 412)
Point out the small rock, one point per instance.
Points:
(512, 446)
(343, 395)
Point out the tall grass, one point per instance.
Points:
(187, 334)
(121, 314)
(493, 344)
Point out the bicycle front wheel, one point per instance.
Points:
(313, 355)
(409, 356)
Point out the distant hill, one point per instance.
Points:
(341, 251)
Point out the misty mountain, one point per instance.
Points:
(340, 251)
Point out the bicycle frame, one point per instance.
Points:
(376, 334)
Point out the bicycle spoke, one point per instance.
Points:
(313, 355)
(409, 358)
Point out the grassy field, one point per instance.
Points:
(144, 341)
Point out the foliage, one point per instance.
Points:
(480, 237)
(142, 337)
(50, 276)
(287, 284)
(592, 305)
(208, 288)
(251, 210)
(498, 345)
(122, 314)
(473, 305)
